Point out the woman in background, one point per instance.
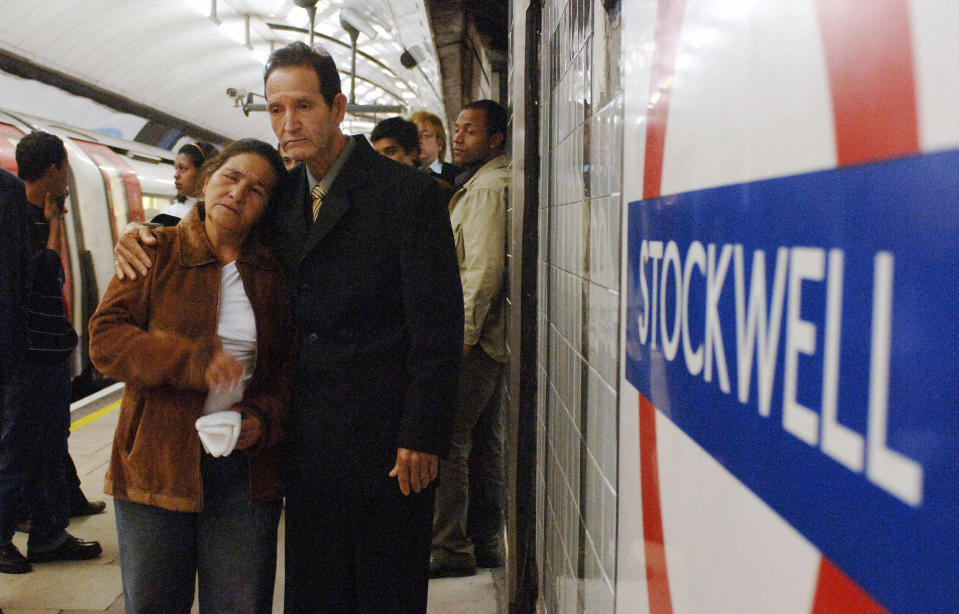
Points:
(186, 166)
(202, 338)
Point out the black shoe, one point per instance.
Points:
(72, 549)
(488, 559)
(11, 561)
(450, 571)
(88, 508)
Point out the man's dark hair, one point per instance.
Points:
(36, 152)
(496, 116)
(300, 54)
(401, 130)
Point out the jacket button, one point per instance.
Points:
(313, 337)
(305, 287)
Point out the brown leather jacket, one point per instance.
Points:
(158, 334)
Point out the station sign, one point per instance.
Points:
(804, 331)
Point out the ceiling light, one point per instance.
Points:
(351, 17)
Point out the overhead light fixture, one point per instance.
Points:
(350, 18)
(310, 7)
(407, 59)
(419, 54)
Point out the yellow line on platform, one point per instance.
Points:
(94, 416)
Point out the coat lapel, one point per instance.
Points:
(340, 199)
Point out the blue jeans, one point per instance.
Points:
(229, 548)
(36, 424)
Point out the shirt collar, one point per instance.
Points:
(330, 176)
(436, 166)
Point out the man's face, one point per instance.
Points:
(303, 123)
(430, 146)
(388, 147)
(472, 142)
(60, 177)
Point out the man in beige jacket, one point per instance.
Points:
(469, 499)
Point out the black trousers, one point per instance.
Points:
(35, 425)
(357, 555)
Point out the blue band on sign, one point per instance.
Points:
(803, 331)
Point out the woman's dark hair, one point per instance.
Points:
(198, 152)
(242, 146)
(317, 58)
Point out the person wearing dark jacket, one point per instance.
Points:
(14, 272)
(36, 404)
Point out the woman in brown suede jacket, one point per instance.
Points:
(203, 336)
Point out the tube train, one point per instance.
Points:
(112, 182)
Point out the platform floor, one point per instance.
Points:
(94, 586)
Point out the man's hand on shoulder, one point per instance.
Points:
(129, 258)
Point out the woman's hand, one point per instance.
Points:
(224, 372)
(251, 429)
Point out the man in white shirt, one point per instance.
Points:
(433, 147)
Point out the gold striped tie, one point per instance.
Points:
(318, 193)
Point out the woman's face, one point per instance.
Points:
(184, 174)
(237, 193)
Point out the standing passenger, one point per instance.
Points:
(36, 403)
(370, 262)
(201, 342)
(14, 273)
(185, 168)
(396, 138)
(469, 499)
(433, 147)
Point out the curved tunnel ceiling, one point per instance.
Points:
(179, 57)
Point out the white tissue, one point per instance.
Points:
(219, 432)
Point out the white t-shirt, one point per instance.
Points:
(236, 329)
(180, 209)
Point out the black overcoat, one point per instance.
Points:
(15, 258)
(378, 308)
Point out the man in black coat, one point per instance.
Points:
(378, 306)
(36, 397)
(375, 288)
(14, 260)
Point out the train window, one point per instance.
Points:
(9, 137)
(121, 183)
(153, 205)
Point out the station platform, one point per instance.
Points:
(89, 587)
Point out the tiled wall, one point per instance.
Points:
(578, 323)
